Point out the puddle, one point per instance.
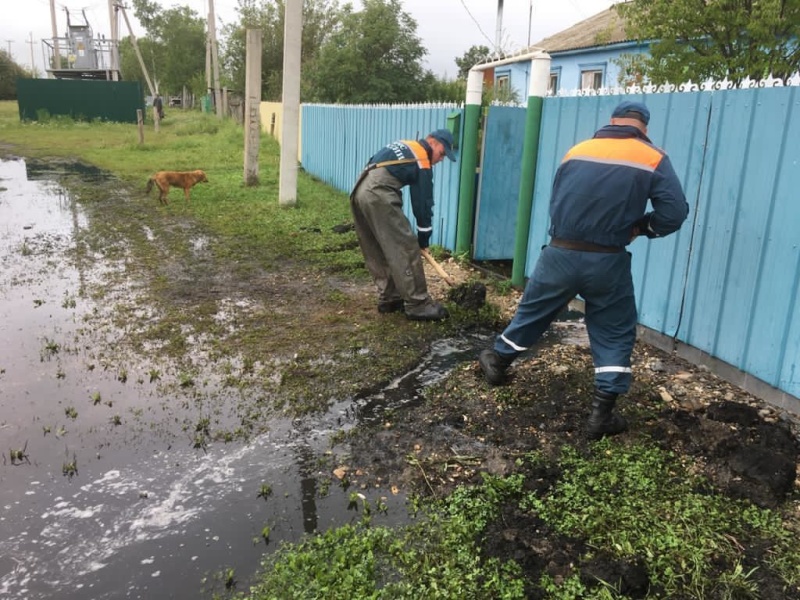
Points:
(96, 498)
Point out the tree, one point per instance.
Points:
(320, 18)
(474, 56)
(9, 73)
(701, 39)
(373, 56)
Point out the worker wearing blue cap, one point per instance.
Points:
(597, 207)
(391, 248)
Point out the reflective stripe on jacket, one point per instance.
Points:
(603, 185)
(409, 162)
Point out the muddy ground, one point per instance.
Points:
(464, 427)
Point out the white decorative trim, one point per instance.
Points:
(709, 85)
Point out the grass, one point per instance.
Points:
(625, 502)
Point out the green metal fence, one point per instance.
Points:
(80, 99)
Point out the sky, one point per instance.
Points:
(448, 28)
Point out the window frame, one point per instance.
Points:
(594, 68)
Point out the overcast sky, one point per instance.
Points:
(448, 28)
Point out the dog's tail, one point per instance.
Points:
(149, 186)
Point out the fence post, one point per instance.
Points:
(540, 78)
(140, 125)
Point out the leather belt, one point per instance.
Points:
(584, 246)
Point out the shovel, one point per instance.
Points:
(437, 267)
(467, 295)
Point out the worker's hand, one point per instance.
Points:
(642, 227)
(424, 238)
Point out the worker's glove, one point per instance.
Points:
(643, 226)
(424, 238)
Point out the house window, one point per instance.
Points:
(502, 82)
(591, 79)
(552, 87)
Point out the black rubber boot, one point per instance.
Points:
(427, 311)
(494, 366)
(603, 420)
(390, 306)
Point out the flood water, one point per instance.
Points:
(95, 501)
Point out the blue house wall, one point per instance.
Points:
(567, 66)
(570, 64)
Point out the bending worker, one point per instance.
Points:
(597, 208)
(390, 247)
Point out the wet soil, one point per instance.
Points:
(745, 449)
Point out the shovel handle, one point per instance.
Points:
(437, 267)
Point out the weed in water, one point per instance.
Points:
(71, 412)
(265, 491)
(70, 467)
(96, 399)
(19, 456)
(50, 349)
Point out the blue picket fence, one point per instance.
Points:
(339, 140)
(725, 284)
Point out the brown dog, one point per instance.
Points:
(181, 179)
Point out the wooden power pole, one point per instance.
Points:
(212, 33)
(136, 50)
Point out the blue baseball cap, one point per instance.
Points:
(631, 110)
(445, 138)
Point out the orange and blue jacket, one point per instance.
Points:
(410, 163)
(603, 184)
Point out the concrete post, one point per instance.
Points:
(292, 38)
(252, 104)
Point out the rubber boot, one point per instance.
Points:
(603, 420)
(390, 306)
(494, 366)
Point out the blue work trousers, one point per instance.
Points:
(604, 281)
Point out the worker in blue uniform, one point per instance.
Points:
(390, 247)
(597, 207)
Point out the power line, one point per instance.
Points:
(478, 25)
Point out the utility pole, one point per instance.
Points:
(113, 16)
(292, 44)
(33, 66)
(9, 47)
(56, 50)
(530, 20)
(252, 103)
(212, 32)
(498, 41)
